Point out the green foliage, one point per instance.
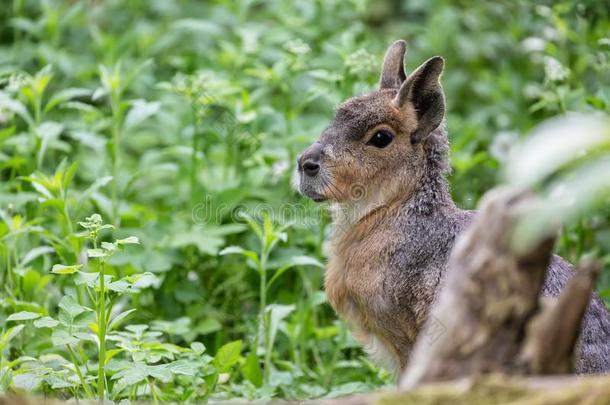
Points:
(171, 119)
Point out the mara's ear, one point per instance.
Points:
(393, 70)
(423, 89)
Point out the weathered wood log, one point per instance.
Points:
(490, 308)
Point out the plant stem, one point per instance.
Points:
(117, 118)
(194, 156)
(101, 378)
(101, 323)
(80, 374)
(262, 316)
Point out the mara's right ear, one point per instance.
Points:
(393, 70)
(423, 89)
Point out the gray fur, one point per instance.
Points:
(384, 276)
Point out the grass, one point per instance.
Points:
(176, 124)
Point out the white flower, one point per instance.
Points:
(533, 44)
(554, 70)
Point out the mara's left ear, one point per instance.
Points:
(423, 89)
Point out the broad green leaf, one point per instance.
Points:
(28, 381)
(62, 269)
(71, 307)
(61, 337)
(23, 316)
(46, 322)
(198, 347)
(252, 370)
(227, 356)
(89, 279)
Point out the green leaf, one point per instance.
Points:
(35, 253)
(61, 337)
(89, 279)
(198, 347)
(28, 381)
(109, 247)
(10, 335)
(93, 253)
(208, 325)
(183, 367)
(113, 352)
(23, 316)
(294, 261)
(71, 307)
(62, 269)
(227, 356)
(46, 322)
(131, 240)
(116, 322)
(276, 312)
(237, 250)
(252, 370)
(141, 111)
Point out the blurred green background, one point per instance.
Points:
(169, 117)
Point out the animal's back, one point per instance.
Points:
(594, 342)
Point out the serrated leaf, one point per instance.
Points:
(227, 356)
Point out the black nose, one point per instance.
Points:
(309, 161)
(311, 168)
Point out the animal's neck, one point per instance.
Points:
(432, 191)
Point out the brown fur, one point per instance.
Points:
(394, 223)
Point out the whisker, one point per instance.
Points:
(331, 184)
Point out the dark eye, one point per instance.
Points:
(381, 139)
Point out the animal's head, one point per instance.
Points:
(375, 147)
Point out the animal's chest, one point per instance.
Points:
(357, 286)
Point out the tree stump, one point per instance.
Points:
(490, 307)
